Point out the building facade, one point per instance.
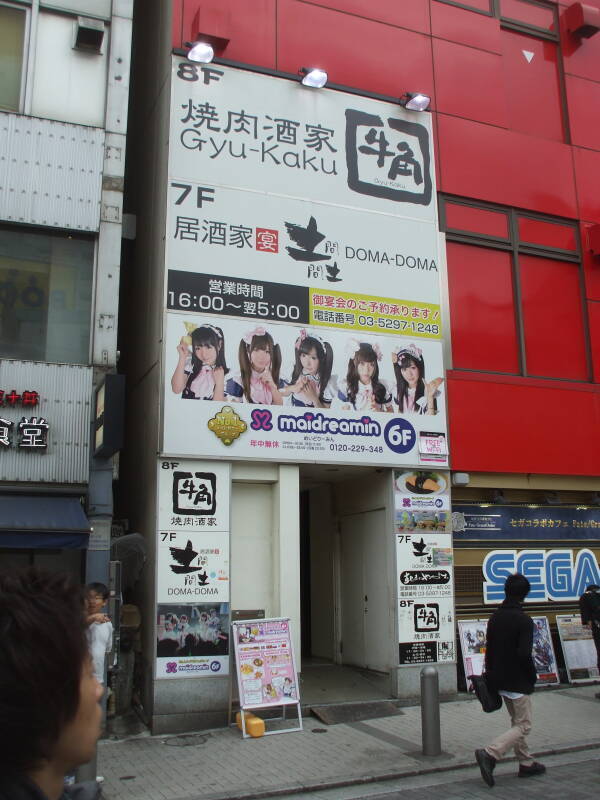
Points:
(469, 234)
(64, 96)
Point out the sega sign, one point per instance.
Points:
(555, 575)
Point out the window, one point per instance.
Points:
(515, 283)
(45, 295)
(12, 44)
(532, 16)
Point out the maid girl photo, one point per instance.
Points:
(260, 362)
(362, 390)
(200, 372)
(309, 385)
(414, 395)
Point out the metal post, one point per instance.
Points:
(430, 712)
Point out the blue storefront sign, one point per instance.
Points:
(524, 523)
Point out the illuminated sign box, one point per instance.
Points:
(109, 417)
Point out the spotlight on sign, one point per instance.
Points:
(315, 78)
(202, 52)
(415, 101)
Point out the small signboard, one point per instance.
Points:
(578, 648)
(265, 667)
(472, 634)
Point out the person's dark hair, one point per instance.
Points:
(205, 336)
(406, 360)
(325, 355)
(592, 587)
(517, 586)
(99, 588)
(42, 654)
(364, 353)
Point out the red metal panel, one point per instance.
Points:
(580, 56)
(552, 318)
(476, 220)
(591, 268)
(532, 86)
(584, 111)
(481, 309)
(464, 27)
(489, 163)
(177, 23)
(362, 53)
(587, 176)
(252, 36)
(469, 83)
(523, 426)
(594, 317)
(412, 14)
(550, 234)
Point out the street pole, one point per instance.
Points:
(430, 712)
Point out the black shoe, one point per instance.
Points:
(486, 765)
(533, 769)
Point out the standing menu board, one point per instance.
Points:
(265, 666)
(578, 648)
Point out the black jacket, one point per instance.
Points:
(589, 606)
(508, 659)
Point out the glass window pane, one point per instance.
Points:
(45, 296)
(476, 220)
(552, 318)
(549, 234)
(481, 309)
(12, 35)
(529, 13)
(479, 5)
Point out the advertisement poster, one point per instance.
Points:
(334, 354)
(192, 640)
(265, 663)
(472, 633)
(192, 569)
(421, 500)
(578, 647)
(425, 597)
(484, 522)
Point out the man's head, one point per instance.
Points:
(517, 586)
(49, 698)
(592, 587)
(96, 596)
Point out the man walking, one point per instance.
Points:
(589, 606)
(510, 671)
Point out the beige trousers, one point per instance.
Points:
(520, 718)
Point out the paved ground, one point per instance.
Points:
(355, 758)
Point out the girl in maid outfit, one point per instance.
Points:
(311, 373)
(201, 376)
(260, 362)
(414, 394)
(362, 390)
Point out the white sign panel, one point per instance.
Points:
(249, 130)
(193, 495)
(192, 566)
(581, 658)
(343, 294)
(424, 566)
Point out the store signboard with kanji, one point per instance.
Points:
(192, 569)
(313, 217)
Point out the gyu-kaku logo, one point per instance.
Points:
(32, 433)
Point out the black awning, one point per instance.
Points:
(34, 522)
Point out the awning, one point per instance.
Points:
(34, 522)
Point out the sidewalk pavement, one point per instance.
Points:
(220, 764)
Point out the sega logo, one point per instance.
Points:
(553, 574)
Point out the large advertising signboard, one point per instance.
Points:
(310, 330)
(487, 522)
(192, 569)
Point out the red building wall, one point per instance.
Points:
(517, 120)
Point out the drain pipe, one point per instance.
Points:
(430, 712)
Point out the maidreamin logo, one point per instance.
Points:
(319, 423)
(553, 574)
